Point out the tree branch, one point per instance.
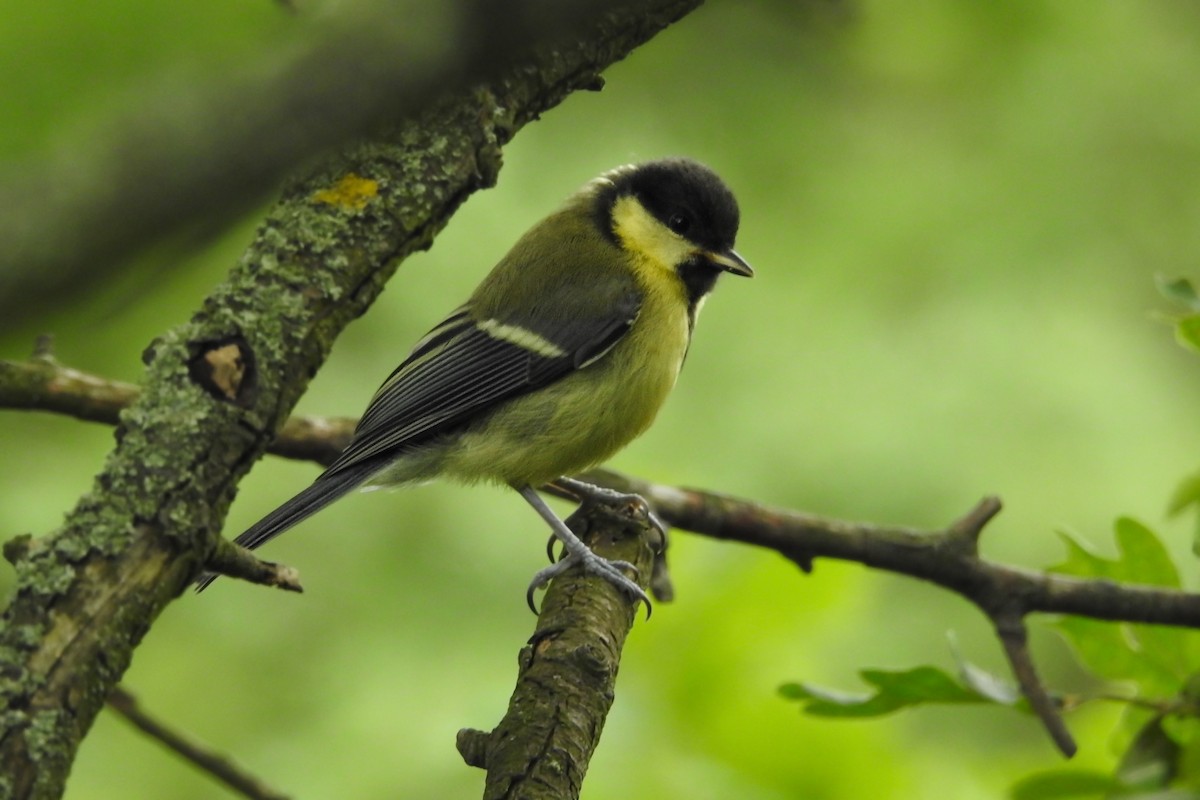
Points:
(567, 672)
(948, 558)
(237, 562)
(1015, 639)
(44, 384)
(219, 385)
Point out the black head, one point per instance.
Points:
(689, 199)
(686, 196)
(689, 204)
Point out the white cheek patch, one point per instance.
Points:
(521, 337)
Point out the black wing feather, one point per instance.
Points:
(439, 387)
(457, 371)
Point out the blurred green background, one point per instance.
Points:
(956, 211)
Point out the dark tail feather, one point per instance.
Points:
(323, 491)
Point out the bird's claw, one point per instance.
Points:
(610, 570)
(590, 492)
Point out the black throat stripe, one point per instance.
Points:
(699, 278)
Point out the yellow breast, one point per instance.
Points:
(587, 416)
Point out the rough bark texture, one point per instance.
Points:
(217, 387)
(567, 673)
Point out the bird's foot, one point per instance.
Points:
(576, 552)
(591, 493)
(611, 570)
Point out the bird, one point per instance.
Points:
(563, 354)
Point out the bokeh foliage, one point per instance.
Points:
(957, 212)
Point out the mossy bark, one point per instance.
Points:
(567, 672)
(218, 386)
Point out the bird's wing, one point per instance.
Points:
(466, 365)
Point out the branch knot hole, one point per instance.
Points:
(225, 369)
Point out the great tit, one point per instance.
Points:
(563, 354)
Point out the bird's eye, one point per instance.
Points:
(679, 222)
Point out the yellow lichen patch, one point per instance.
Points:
(352, 193)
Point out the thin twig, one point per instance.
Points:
(238, 562)
(216, 764)
(1015, 640)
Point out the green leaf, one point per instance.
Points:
(1185, 497)
(1081, 561)
(1187, 331)
(1141, 557)
(893, 690)
(1062, 783)
(1159, 658)
(1150, 762)
(984, 683)
(793, 691)
(1179, 291)
(1186, 494)
(1104, 649)
(920, 685)
(989, 686)
(1186, 731)
(825, 702)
